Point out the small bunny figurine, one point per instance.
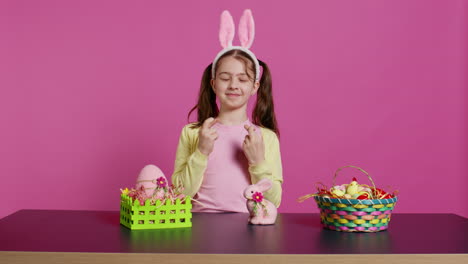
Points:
(262, 211)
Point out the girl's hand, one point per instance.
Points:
(253, 146)
(207, 136)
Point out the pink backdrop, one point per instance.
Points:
(91, 91)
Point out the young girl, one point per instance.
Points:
(224, 152)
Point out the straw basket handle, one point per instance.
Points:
(361, 170)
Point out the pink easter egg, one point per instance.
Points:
(147, 178)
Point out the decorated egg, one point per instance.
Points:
(150, 177)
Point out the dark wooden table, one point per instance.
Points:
(96, 236)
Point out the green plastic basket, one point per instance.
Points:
(168, 215)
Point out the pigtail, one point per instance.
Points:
(264, 111)
(206, 105)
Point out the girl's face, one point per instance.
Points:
(232, 85)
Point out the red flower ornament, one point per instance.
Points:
(161, 182)
(257, 197)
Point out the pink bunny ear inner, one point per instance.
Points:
(264, 184)
(226, 29)
(246, 29)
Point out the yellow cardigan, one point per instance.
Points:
(190, 164)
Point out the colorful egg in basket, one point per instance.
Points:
(355, 213)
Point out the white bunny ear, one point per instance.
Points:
(226, 29)
(264, 184)
(246, 29)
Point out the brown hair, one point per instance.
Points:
(264, 112)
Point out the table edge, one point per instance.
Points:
(14, 257)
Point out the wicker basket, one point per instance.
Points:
(147, 216)
(354, 215)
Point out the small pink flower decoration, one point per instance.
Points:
(257, 197)
(161, 182)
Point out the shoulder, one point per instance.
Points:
(190, 127)
(189, 130)
(269, 135)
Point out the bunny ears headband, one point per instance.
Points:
(246, 37)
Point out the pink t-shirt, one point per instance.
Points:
(227, 173)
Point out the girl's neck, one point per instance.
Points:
(232, 117)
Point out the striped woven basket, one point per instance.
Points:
(353, 215)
